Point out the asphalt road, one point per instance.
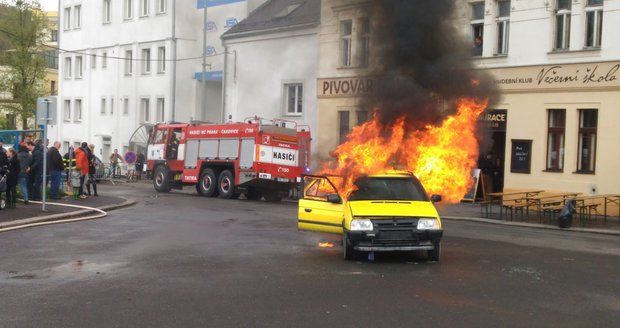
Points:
(178, 260)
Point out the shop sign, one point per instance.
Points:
(345, 87)
(588, 75)
(521, 156)
(494, 119)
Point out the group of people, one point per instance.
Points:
(23, 168)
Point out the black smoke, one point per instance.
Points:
(423, 62)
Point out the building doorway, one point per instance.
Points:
(492, 160)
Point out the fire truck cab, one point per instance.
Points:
(257, 158)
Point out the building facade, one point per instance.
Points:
(557, 66)
(272, 64)
(125, 63)
(345, 62)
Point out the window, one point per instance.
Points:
(146, 61)
(161, 59)
(104, 60)
(11, 121)
(93, 61)
(477, 27)
(588, 120)
(67, 20)
(161, 6)
(362, 117)
(562, 25)
(555, 139)
(346, 28)
(144, 7)
(128, 62)
(125, 106)
(67, 67)
(78, 67)
(128, 9)
(111, 106)
(66, 145)
(54, 36)
(66, 110)
(107, 11)
(503, 26)
(53, 88)
(594, 23)
(364, 41)
(145, 110)
(161, 110)
(77, 11)
(103, 106)
(343, 125)
(78, 110)
(294, 98)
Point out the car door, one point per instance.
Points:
(321, 208)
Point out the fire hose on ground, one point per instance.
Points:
(100, 214)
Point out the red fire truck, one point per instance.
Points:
(257, 158)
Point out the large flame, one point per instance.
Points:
(441, 156)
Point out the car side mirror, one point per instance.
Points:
(334, 199)
(436, 198)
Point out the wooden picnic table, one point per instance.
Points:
(550, 202)
(607, 199)
(500, 197)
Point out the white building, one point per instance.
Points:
(272, 63)
(557, 65)
(128, 62)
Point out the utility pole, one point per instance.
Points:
(44, 187)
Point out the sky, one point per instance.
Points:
(50, 5)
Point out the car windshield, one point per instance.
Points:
(388, 189)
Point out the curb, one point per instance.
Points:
(69, 215)
(532, 225)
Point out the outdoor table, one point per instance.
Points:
(607, 199)
(539, 200)
(499, 196)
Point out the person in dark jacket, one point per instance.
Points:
(36, 170)
(24, 158)
(4, 161)
(55, 167)
(92, 170)
(11, 182)
(140, 165)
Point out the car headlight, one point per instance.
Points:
(361, 225)
(428, 224)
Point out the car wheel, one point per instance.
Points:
(253, 194)
(348, 252)
(161, 180)
(435, 253)
(207, 185)
(226, 185)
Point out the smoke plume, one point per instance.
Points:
(424, 63)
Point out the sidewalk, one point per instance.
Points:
(468, 210)
(33, 210)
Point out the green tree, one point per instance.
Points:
(24, 25)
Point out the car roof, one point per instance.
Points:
(392, 174)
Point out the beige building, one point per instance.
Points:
(345, 60)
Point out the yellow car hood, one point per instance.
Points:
(393, 208)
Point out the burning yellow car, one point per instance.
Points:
(386, 212)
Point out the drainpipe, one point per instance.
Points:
(203, 115)
(174, 63)
(224, 79)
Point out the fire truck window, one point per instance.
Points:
(159, 137)
(173, 144)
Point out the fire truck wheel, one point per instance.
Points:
(161, 179)
(207, 186)
(226, 185)
(273, 197)
(253, 194)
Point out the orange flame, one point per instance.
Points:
(326, 245)
(441, 156)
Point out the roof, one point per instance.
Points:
(277, 15)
